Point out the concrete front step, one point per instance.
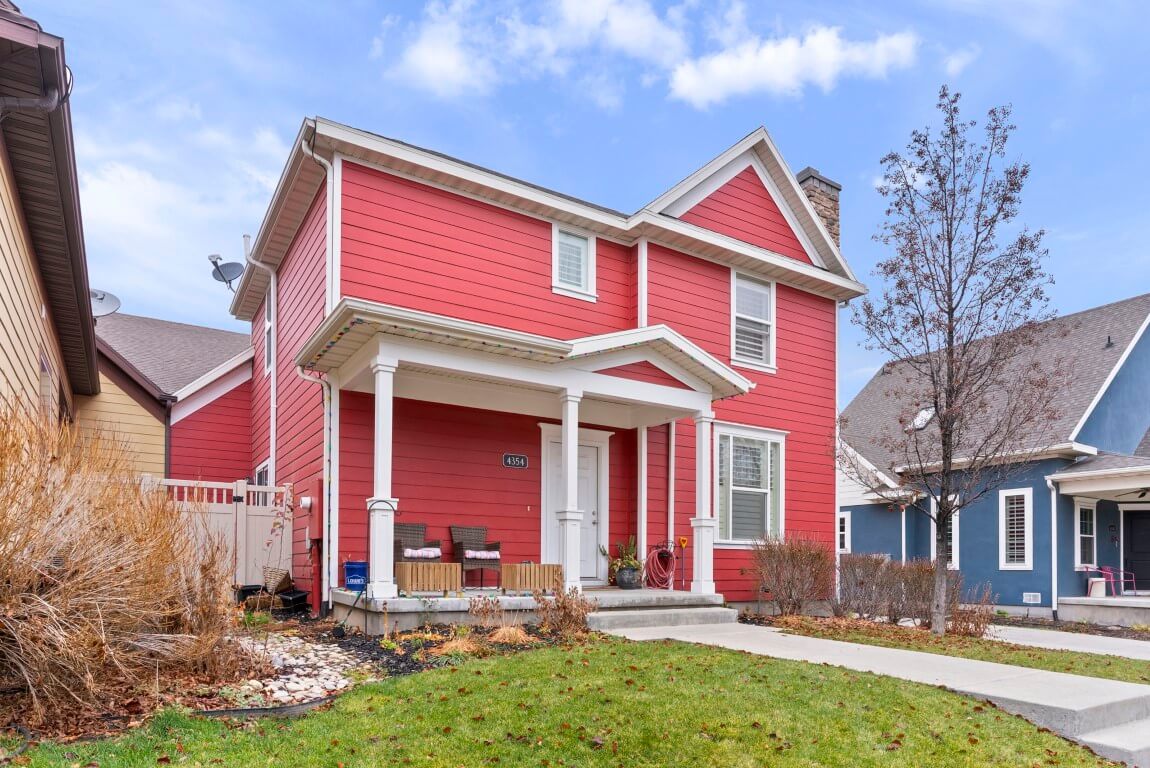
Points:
(624, 599)
(661, 617)
(1128, 743)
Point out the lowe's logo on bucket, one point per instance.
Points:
(355, 574)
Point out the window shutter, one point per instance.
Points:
(572, 253)
(1016, 530)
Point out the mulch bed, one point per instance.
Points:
(1127, 633)
(401, 654)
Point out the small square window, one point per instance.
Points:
(573, 265)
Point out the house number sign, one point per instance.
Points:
(515, 461)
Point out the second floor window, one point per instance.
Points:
(753, 322)
(573, 265)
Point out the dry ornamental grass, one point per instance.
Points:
(103, 585)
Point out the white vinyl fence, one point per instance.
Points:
(254, 519)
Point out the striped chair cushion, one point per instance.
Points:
(423, 553)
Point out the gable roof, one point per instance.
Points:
(40, 149)
(1080, 340)
(758, 151)
(301, 179)
(164, 356)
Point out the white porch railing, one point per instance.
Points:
(254, 519)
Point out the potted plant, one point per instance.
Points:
(624, 568)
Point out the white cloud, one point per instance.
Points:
(787, 65)
(460, 48)
(444, 58)
(379, 42)
(956, 62)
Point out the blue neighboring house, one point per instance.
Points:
(1081, 502)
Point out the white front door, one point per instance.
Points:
(592, 567)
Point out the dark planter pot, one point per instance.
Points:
(628, 578)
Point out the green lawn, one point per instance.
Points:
(872, 633)
(610, 703)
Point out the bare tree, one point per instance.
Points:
(963, 291)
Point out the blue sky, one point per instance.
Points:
(183, 112)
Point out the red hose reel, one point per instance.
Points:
(659, 569)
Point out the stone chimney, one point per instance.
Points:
(824, 196)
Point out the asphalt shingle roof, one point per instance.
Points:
(871, 420)
(171, 355)
(1107, 461)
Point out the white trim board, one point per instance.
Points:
(189, 389)
(714, 182)
(207, 394)
(1110, 378)
(550, 435)
(1028, 533)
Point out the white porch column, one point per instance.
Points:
(382, 506)
(704, 524)
(570, 516)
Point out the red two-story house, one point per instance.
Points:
(438, 343)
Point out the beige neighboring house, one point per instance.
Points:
(144, 364)
(47, 342)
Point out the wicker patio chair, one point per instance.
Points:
(474, 539)
(414, 536)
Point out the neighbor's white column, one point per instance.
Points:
(570, 516)
(382, 506)
(703, 524)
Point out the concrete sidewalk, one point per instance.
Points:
(1111, 717)
(1071, 641)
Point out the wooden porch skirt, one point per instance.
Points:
(429, 577)
(528, 577)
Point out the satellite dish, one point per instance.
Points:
(225, 271)
(103, 303)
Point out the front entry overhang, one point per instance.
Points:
(1107, 476)
(450, 360)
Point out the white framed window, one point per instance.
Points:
(1016, 529)
(843, 531)
(572, 264)
(268, 353)
(752, 322)
(1085, 533)
(748, 483)
(262, 478)
(953, 529)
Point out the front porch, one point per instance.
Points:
(378, 616)
(1120, 610)
(442, 423)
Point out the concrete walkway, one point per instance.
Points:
(1071, 641)
(1111, 717)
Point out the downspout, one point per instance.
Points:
(328, 512)
(272, 299)
(1053, 549)
(329, 179)
(331, 516)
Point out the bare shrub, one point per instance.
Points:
(565, 614)
(487, 610)
(860, 582)
(971, 617)
(103, 584)
(794, 572)
(907, 590)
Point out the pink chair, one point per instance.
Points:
(1117, 579)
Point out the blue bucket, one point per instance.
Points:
(355, 575)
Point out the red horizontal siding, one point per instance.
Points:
(744, 209)
(693, 297)
(644, 371)
(302, 286)
(420, 247)
(214, 443)
(447, 470)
